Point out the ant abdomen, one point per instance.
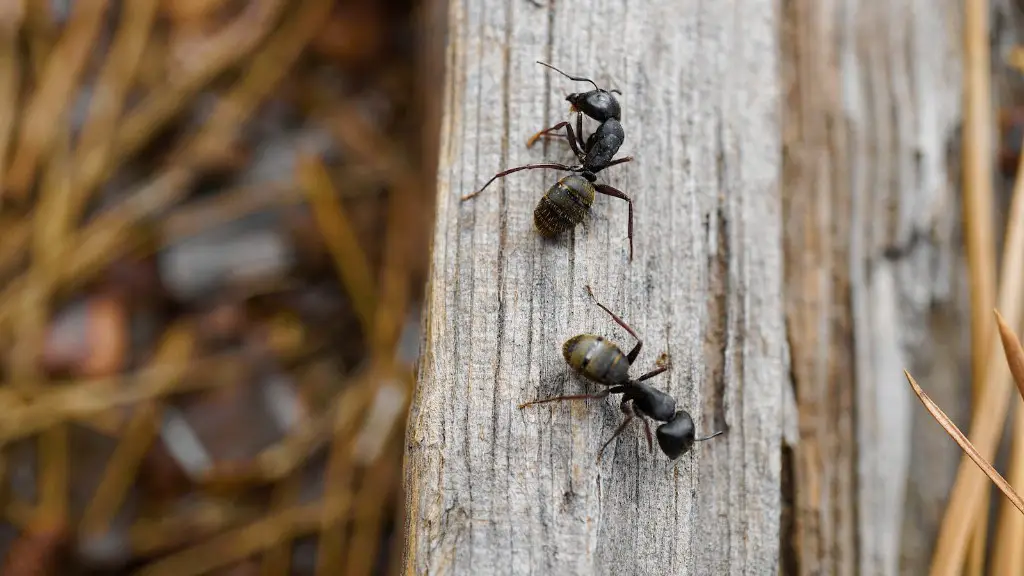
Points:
(597, 359)
(563, 206)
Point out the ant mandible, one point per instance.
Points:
(602, 362)
(566, 203)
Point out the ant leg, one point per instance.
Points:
(628, 411)
(617, 432)
(653, 373)
(622, 160)
(568, 135)
(579, 130)
(517, 169)
(609, 191)
(647, 432)
(639, 342)
(601, 394)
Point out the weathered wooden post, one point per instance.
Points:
(497, 490)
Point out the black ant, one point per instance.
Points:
(602, 362)
(598, 104)
(566, 203)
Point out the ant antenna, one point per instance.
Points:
(576, 78)
(709, 437)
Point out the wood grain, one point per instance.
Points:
(495, 490)
(875, 278)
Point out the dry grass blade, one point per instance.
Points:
(1007, 555)
(278, 559)
(78, 399)
(164, 103)
(63, 70)
(978, 220)
(93, 151)
(1014, 352)
(374, 489)
(10, 84)
(967, 500)
(965, 444)
(265, 70)
(349, 258)
(238, 544)
(139, 434)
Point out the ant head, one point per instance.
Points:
(598, 103)
(677, 436)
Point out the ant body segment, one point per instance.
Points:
(604, 363)
(566, 203)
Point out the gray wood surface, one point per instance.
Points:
(495, 490)
(875, 278)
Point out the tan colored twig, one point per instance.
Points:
(265, 70)
(63, 72)
(350, 261)
(15, 234)
(117, 231)
(366, 143)
(41, 29)
(194, 523)
(177, 348)
(967, 501)
(1016, 58)
(965, 444)
(78, 399)
(92, 153)
(277, 560)
(10, 84)
(159, 107)
(978, 222)
(48, 235)
(235, 545)
(1007, 554)
(110, 235)
(375, 488)
(337, 493)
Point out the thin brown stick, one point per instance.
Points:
(965, 444)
